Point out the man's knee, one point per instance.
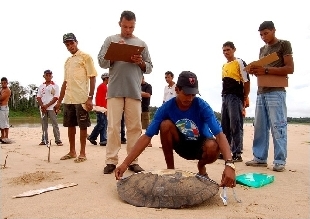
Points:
(211, 150)
(166, 126)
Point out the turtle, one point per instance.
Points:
(168, 188)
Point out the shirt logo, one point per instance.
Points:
(188, 128)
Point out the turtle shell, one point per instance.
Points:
(166, 189)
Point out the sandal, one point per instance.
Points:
(80, 159)
(67, 157)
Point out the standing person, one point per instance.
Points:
(235, 92)
(146, 93)
(124, 93)
(102, 122)
(188, 126)
(78, 88)
(5, 94)
(271, 111)
(169, 90)
(48, 94)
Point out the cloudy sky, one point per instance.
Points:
(181, 35)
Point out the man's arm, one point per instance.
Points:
(138, 148)
(62, 92)
(288, 67)
(103, 63)
(92, 84)
(148, 91)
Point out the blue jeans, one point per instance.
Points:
(232, 122)
(100, 128)
(270, 113)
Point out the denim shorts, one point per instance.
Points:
(75, 115)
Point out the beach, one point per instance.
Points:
(95, 196)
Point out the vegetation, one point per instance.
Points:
(23, 104)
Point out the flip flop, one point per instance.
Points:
(80, 159)
(67, 157)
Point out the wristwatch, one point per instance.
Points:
(232, 165)
(90, 97)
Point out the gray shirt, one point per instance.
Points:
(124, 77)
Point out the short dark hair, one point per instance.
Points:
(4, 79)
(266, 25)
(128, 15)
(169, 73)
(229, 44)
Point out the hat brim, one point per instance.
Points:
(69, 39)
(190, 90)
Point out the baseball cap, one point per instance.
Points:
(48, 71)
(266, 25)
(104, 75)
(188, 81)
(68, 37)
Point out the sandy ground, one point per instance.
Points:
(96, 196)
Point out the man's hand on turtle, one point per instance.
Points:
(228, 177)
(119, 171)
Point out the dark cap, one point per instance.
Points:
(48, 71)
(188, 82)
(266, 25)
(68, 37)
(104, 75)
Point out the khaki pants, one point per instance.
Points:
(145, 119)
(132, 112)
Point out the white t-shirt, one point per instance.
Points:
(169, 92)
(47, 93)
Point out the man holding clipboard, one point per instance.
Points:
(127, 58)
(271, 111)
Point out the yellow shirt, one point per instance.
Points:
(78, 69)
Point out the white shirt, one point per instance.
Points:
(169, 92)
(47, 93)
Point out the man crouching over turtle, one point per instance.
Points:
(188, 126)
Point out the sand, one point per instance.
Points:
(96, 196)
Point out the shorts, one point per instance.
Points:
(189, 149)
(145, 119)
(4, 117)
(75, 115)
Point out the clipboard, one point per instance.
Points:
(122, 52)
(263, 61)
(269, 80)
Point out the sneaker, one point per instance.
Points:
(278, 167)
(135, 168)
(255, 163)
(92, 141)
(123, 141)
(103, 143)
(237, 158)
(41, 143)
(109, 168)
(59, 143)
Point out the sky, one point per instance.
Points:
(181, 36)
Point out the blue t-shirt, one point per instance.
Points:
(198, 121)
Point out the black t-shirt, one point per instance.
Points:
(146, 100)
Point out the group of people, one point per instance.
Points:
(186, 123)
